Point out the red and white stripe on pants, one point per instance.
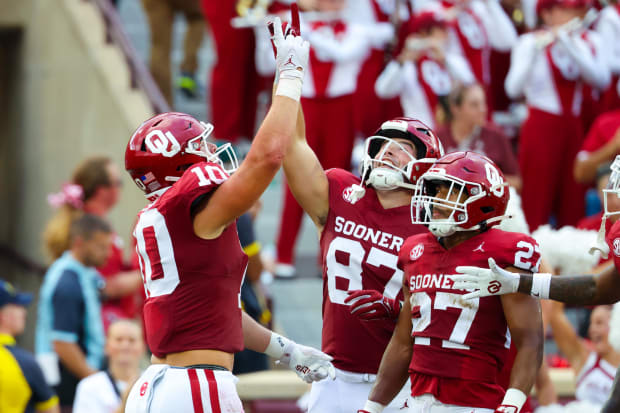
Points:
(184, 390)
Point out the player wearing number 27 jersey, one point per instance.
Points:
(455, 348)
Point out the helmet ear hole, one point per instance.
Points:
(487, 209)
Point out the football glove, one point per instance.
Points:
(372, 305)
(485, 281)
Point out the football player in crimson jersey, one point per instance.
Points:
(452, 349)
(191, 260)
(595, 289)
(362, 225)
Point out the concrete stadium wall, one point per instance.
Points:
(64, 95)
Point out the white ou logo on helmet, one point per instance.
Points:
(158, 142)
(495, 179)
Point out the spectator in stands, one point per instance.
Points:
(550, 67)
(69, 327)
(233, 78)
(160, 14)
(601, 145)
(477, 28)
(103, 392)
(468, 130)
(424, 72)
(594, 363)
(95, 189)
(22, 386)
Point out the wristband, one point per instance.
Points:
(277, 346)
(541, 283)
(373, 407)
(514, 398)
(289, 87)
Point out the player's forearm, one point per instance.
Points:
(526, 364)
(274, 136)
(72, 357)
(569, 289)
(255, 336)
(393, 372)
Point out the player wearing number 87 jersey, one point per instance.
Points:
(454, 348)
(190, 256)
(362, 224)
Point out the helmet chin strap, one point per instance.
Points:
(385, 178)
(441, 229)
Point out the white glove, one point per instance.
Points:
(309, 363)
(291, 53)
(485, 281)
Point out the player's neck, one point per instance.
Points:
(457, 238)
(394, 198)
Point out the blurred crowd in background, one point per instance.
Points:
(534, 85)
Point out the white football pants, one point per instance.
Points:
(427, 403)
(166, 389)
(348, 392)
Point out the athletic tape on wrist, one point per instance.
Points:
(289, 87)
(514, 397)
(541, 283)
(373, 407)
(277, 346)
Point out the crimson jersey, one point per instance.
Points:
(359, 250)
(460, 345)
(612, 236)
(192, 285)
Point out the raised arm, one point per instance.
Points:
(566, 337)
(246, 185)
(306, 177)
(393, 371)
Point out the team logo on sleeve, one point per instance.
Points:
(617, 247)
(416, 252)
(347, 195)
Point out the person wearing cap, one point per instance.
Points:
(22, 386)
(69, 339)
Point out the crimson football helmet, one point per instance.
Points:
(477, 194)
(164, 146)
(379, 172)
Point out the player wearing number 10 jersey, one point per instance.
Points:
(362, 226)
(190, 256)
(452, 349)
